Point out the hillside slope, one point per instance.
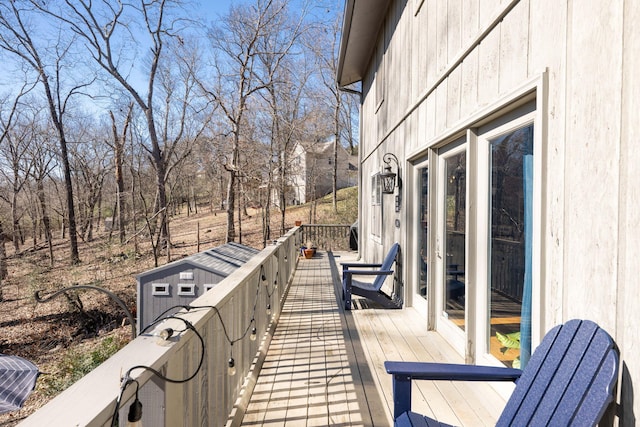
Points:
(67, 337)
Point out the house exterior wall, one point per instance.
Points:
(311, 172)
(320, 172)
(450, 65)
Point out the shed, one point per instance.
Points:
(182, 281)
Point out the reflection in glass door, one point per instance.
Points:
(455, 173)
(423, 236)
(510, 251)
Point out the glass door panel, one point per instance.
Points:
(424, 236)
(455, 173)
(511, 212)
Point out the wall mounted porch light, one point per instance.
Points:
(391, 180)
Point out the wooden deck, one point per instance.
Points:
(324, 366)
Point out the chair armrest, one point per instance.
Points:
(368, 272)
(404, 372)
(453, 372)
(359, 264)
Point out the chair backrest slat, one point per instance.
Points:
(556, 387)
(386, 265)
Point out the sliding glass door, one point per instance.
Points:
(510, 249)
(451, 243)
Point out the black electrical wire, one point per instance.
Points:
(127, 380)
(189, 308)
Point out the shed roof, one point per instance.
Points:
(223, 260)
(362, 21)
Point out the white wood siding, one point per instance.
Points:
(453, 58)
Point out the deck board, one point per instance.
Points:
(325, 365)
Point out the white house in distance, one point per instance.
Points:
(310, 171)
(512, 124)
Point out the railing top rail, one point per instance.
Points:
(326, 225)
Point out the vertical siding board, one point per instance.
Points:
(514, 47)
(404, 61)
(548, 50)
(469, 84)
(593, 135)
(430, 117)
(454, 29)
(441, 95)
(453, 96)
(453, 46)
(487, 9)
(431, 43)
(470, 20)
(628, 295)
(420, 55)
(489, 52)
(441, 36)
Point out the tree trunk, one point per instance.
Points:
(283, 189)
(15, 220)
(3, 258)
(71, 213)
(230, 207)
(266, 215)
(46, 222)
(118, 148)
(336, 143)
(239, 215)
(231, 187)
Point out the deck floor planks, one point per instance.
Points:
(325, 366)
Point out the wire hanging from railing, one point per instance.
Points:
(135, 410)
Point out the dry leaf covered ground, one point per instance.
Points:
(67, 337)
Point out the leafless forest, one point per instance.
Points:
(125, 127)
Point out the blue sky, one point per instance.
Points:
(213, 8)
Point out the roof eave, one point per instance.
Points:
(361, 24)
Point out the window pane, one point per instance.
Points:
(455, 205)
(424, 228)
(511, 212)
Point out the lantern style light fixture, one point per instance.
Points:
(391, 180)
(388, 176)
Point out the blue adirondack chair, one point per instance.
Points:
(373, 291)
(569, 380)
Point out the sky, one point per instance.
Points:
(214, 8)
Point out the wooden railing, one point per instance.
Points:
(327, 237)
(212, 396)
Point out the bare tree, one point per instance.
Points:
(91, 165)
(15, 137)
(43, 157)
(8, 116)
(17, 38)
(107, 29)
(16, 166)
(327, 57)
(118, 146)
(241, 39)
